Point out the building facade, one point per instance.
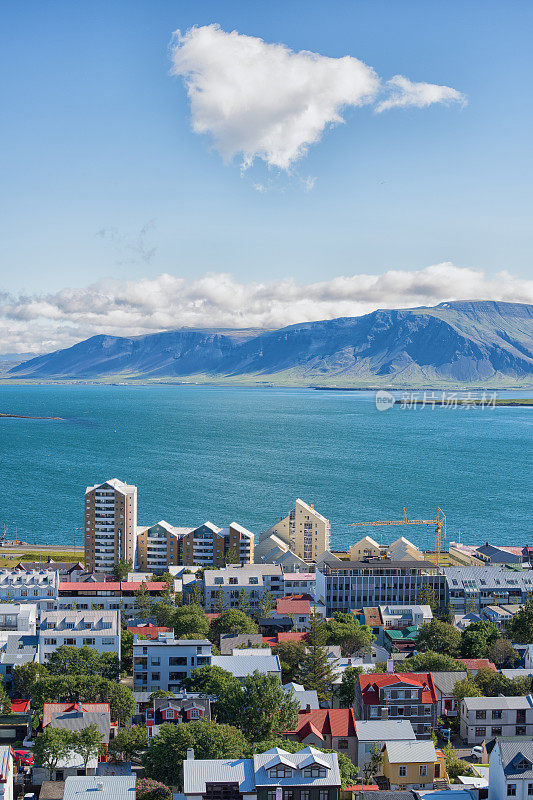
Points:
(304, 530)
(36, 586)
(99, 630)
(253, 580)
(511, 769)
(165, 663)
(488, 717)
(107, 595)
(409, 695)
(110, 525)
(159, 546)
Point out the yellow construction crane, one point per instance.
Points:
(439, 522)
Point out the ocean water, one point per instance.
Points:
(223, 454)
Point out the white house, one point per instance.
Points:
(35, 586)
(17, 618)
(487, 717)
(230, 581)
(511, 769)
(99, 630)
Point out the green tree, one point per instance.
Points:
(109, 666)
(195, 594)
(232, 621)
(160, 693)
(86, 689)
(428, 597)
(128, 742)
(291, 654)
(502, 653)
(374, 764)
(439, 637)
(259, 706)
(191, 622)
(455, 766)
(51, 747)
(466, 688)
(520, 626)
(232, 557)
(316, 672)
(349, 682)
(86, 743)
(121, 569)
(148, 789)
(24, 676)
(432, 662)
(209, 740)
(221, 601)
(164, 613)
(477, 638)
(244, 602)
(66, 660)
(143, 601)
(211, 680)
(344, 630)
(5, 701)
(266, 604)
(126, 648)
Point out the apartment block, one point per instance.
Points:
(304, 530)
(472, 589)
(345, 585)
(159, 546)
(107, 595)
(99, 630)
(35, 586)
(110, 525)
(409, 695)
(166, 662)
(489, 717)
(210, 545)
(17, 617)
(254, 580)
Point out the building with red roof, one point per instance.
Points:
(473, 665)
(77, 716)
(20, 706)
(298, 608)
(329, 728)
(106, 595)
(148, 630)
(396, 696)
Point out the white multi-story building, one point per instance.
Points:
(255, 580)
(6, 772)
(166, 662)
(110, 525)
(35, 586)
(99, 630)
(17, 617)
(511, 769)
(303, 530)
(488, 717)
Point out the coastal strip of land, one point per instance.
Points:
(28, 416)
(463, 401)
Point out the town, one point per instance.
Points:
(208, 663)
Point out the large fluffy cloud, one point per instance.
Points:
(260, 100)
(48, 322)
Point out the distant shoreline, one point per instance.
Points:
(29, 416)
(461, 401)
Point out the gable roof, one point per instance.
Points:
(478, 663)
(421, 750)
(294, 604)
(511, 752)
(385, 730)
(325, 722)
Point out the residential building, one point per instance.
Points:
(148, 630)
(486, 717)
(99, 630)
(401, 640)
(106, 787)
(303, 530)
(16, 651)
(511, 769)
(474, 588)
(67, 570)
(246, 662)
(159, 546)
(254, 580)
(298, 608)
(6, 772)
(501, 615)
(405, 616)
(229, 642)
(332, 729)
(110, 525)
(491, 554)
(370, 733)
(413, 765)
(365, 548)
(38, 586)
(528, 657)
(77, 716)
(345, 585)
(17, 617)
(409, 695)
(107, 595)
(404, 550)
(176, 710)
(71, 765)
(444, 685)
(166, 662)
(473, 665)
(299, 583)
(274, 775)
(16, 726)
(307, 698)
(209, 545)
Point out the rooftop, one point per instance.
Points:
(116, 787)
(421, 750)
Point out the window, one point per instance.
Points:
(402, 771)
(481, 715)
(496, 731)
(530, 789)
(281, 772)
(422, 770)
(520, 730)
(343, 744)
(511, 790)
(323, 794)
(195, 713)
(315, 772)
(271, 794)
(305, 794)
(481, 732)
(88, 642)
(497, 714)
(288, 794)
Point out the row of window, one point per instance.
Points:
(511, 790)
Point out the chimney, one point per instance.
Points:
(190, 754)
(384, 713)
(390, 666)
(308, 708)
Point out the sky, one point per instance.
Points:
(247, 164)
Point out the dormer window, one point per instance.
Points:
(281, 772)
(523, 764)
(195, 713)
(219, 581)
(254, 581)
(233, 580)
(315, 772)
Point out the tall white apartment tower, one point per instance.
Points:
(303, 530)
(110, 524)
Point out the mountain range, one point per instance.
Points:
(455, 343)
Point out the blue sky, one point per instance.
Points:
(104, 179)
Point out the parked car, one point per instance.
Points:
(23, 758)
(444, 733)
(477, 752)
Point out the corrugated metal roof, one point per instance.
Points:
(384, 730)
(510, 703)
(198, 772)
(116, 787)
(241, 666)
(421, 750)
(445, 681)
(510, 753)
(262, 778)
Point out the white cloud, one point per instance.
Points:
(264, 101)
(403, 93)
(48, 322)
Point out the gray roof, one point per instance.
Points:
(305, 757)
(196, 773)
(512, 703)
(241, 666)
(74, 721)
(517, 673)
(388, 794)
(509, 750)
(384, 730)
(19, 650)
(52, 790)
(230, 640)
(169, 642)
(306, 697)
(114, 787)
(495, 578)
(445, 681)
(411, 752)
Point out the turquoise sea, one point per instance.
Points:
(223, 454)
